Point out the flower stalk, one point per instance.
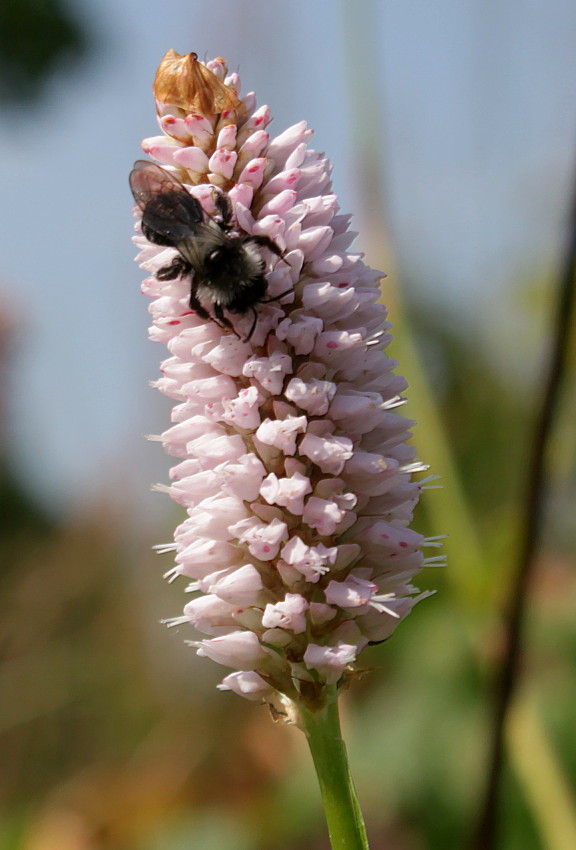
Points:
(343, 815)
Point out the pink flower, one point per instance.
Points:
(246, 684)
(287, 614)
(293, 465)
(262, 538)
(239, 649)
(330, 661)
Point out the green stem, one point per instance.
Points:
(343, 815)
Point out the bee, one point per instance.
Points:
(226, 269)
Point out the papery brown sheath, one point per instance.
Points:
(185, 82)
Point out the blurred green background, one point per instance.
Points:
(450, 127)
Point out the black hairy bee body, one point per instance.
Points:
(226, 269)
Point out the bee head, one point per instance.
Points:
(219, 259)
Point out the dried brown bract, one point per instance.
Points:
(184, 82)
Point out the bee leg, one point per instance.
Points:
(197, 307)
(224, 207)
(266, 242)
(176, 268)
(278, 297)
(253, 328)
(155, 237)
(221, 318)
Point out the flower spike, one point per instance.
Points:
(292, 463)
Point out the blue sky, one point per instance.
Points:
(465, 108)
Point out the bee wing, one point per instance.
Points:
(148, 180)
(168, 209)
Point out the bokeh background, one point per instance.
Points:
(452, 130)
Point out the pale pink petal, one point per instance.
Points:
(285, 180)
(241, 650)
(215, 448)
(241, 194)
(328, 453)
(312, 396)
(240, 586)
(279, 204)
(253, 172)
(214, 387)
(269, 371)
(161, 148)
(254, 144)
(243, 411)
(257, 121)
(210, 615)
(282, 433)
(222, 162)
(175, 127)
(321, 613)
(246, 683)
(263, 539)
(330, 661)
(282, 145)
(301, 332)
(229, 356)
(243, 477)
(200, 556)
(323, 514)
(393, 540)
(287, 492)
(353, 592)
(287, 614)
(310, 561)
(192, 158)
(227, 137)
